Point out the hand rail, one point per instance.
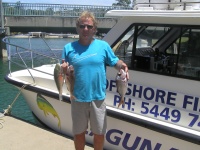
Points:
(57, 10)
(19, 51)
(166, 3)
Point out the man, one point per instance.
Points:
(89, 56)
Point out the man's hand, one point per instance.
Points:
(64, 66)
(121, 65)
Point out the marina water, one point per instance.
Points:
(8, 92)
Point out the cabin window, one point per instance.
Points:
(151, 44)
(123, 49)
(189, 58)
(168, 50)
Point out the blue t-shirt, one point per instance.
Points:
(89, 64)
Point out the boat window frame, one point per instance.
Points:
(135, 34)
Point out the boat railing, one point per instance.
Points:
(24, 57)
(165, 5)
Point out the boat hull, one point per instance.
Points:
(126, 129)
(120, 133)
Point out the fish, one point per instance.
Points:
(62, 76)
(47, 108)
(59, 78)
(121, 84)
(69, 80)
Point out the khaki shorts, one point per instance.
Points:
(93, 112)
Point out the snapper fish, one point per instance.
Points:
(59, 79)
(69, 80)
(122, 84)
(67, 77)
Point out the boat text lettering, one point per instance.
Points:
(159, 104)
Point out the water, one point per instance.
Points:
(8, 92)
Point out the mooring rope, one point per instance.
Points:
(8, 110)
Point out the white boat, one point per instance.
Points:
(162, 103)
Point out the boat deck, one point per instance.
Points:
(17, 134)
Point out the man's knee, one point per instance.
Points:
(80, 135)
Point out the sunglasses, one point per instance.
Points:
(82, 26)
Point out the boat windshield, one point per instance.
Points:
(171, 50)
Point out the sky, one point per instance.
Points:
(78, 2)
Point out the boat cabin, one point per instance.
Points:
(160, 42)
(162, 51)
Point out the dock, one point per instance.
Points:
(16, 134)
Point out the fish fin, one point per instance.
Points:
(45, 113)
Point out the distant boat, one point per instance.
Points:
(37, 34)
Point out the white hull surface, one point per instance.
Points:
(126, 129)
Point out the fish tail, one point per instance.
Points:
(121, 102)
(56, 116)
(60, 97)
(72, 97)
(59, 124)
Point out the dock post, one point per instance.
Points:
(3, 51)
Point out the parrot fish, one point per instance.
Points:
(122, 84)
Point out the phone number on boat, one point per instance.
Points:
(173, 115)
(172, 107)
